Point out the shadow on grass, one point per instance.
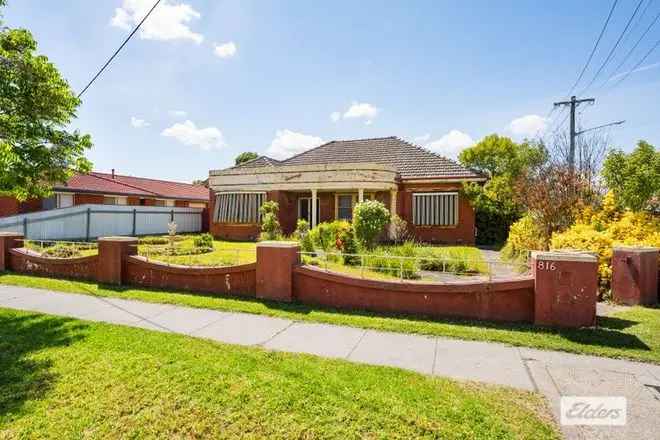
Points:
(23, 378)
(609, 332)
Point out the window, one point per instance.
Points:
(115, 200)
(345, 207)
(238, 207)
(305, 209)
(162, 202)
(64, 200)
(196, 205)
(435, 209)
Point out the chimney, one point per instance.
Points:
(113, 174)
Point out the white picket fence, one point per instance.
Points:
(85, 222)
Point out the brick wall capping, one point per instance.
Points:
(278, 244)
(190, 270)
(11, 234)
(468, 286)
(33, 256)
(119, 238)
(637, 249)
(565, 255)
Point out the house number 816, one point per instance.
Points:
(547, 265)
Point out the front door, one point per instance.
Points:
(305, 209)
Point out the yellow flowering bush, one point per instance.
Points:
(524, 235)
(601, 230)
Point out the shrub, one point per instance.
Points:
(599, 231)
(204, 240)
(154, 240)
(61, 250)
(303, 235)
(349, 246)
(325, 235)
(369, 219)
(380, 260)
(524, 235)
(270, 225)
(400, 231)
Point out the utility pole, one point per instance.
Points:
(574, 102)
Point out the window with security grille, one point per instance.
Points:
(435, 209)
(238, 207)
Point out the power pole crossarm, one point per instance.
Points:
(574, 102)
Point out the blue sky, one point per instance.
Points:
(205, 80)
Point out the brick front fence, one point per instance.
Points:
(562, 290)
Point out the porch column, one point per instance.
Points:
(360, 195)
(393, 194)
(314, 219)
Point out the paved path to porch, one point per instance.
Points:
(554, 374)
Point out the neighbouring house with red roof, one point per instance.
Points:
(112, 189)
(324, 183)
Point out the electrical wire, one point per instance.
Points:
(107, 63)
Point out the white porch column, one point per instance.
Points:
(360, 195)
(314, 219)
(393, 194)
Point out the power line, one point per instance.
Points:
(639, 63)
(119, 49)
(609, 56)
(634, 46)
(593, 51)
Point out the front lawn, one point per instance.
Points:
(382, 263)
(632, 333)
(65, 378)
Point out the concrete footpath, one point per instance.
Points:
(554, 374)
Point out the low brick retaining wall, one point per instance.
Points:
(25, 261)
(509, 300)
(234, 280)
(562, 290)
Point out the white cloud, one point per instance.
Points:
(362, 110)
(451, 144)
(528, 126)
(226, 50)
(169, 21)
(139, 123)
(177, 113)
(287, 143)
(188, 134)
(357, 110)
(423, 138)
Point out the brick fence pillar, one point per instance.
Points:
(635, 275)
(112, 251)
(8, 241)
(565, 288)
(275, 263)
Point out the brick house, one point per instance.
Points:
(325, 183)
(112, 189)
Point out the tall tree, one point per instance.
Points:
(634, 178)
(503, 161)
(36, 107)
(245, 156)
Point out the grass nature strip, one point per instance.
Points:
(66, 378)
(629, 334)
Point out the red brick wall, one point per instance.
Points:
(463, 233)
(82, 199)
(234, 280)
(495, 301)
(8, 206)
(181, 203)
(84, 268)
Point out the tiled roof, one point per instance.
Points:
(409, 160)
(261, 161)
(105, 183)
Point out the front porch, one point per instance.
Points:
(316, 193)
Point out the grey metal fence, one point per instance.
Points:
(85, 222)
